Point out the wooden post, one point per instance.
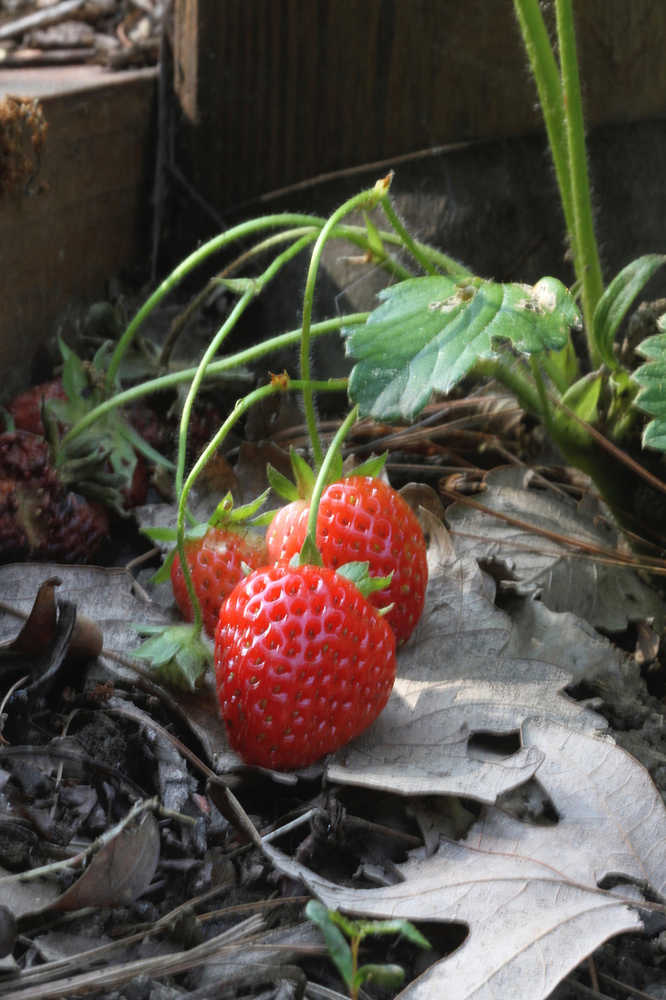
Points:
(275, 91)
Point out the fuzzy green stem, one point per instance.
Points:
(549, 87)
(522, 387)
(198, 256)
(406, 238)
(587, 253)
(246, 356)
(241, 408)
(366, 199)
(321, 482)
(421, 259)
(253, 289)
(546, 413)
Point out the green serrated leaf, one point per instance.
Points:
(651, 377)
(338, 948)
(428, 333)
(617, 299)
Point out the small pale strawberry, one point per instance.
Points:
(217, 563)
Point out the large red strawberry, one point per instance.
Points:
(217, 563)
(303, 662)
(40, 517)
(362, 518)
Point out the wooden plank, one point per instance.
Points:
(281, 90)
(86, 219)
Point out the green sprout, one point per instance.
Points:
(344, 937)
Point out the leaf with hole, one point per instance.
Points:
(428, 333)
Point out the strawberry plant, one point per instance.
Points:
(437, 323)
(344, 938)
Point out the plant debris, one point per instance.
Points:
(119, 34)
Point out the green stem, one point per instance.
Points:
(283, 219)
(241, 408)
(366, 199)
(174, 379)
(513, 378)
(354, 986)
(587, 253)
(310, 551)
(551, 97)
(238, 309)
(546, 412)
(406, 238)
(254, 288)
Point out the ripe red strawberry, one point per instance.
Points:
(216, 565)
(286, 532)
(303, 664)
(362, 519)
(39, 516)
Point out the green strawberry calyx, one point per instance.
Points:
(359, 574)
(225, 517)
(305, 478)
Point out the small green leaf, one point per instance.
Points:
(616, 300)
(139, 444)
(384, 975)
(373, 467)
(357, 572)
(396, 926)
(176, 654)
(347, 926)
(338, 948)
(583, 400)
(304, 477)
(281, 485)
(428, 333)
(651, 378)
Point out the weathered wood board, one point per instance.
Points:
(85, 217)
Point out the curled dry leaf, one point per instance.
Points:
(529, 893)
(120, 871)
(607, 596)
(457, 676)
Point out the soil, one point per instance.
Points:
(76, 755)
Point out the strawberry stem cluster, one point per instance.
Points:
(180, 653)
